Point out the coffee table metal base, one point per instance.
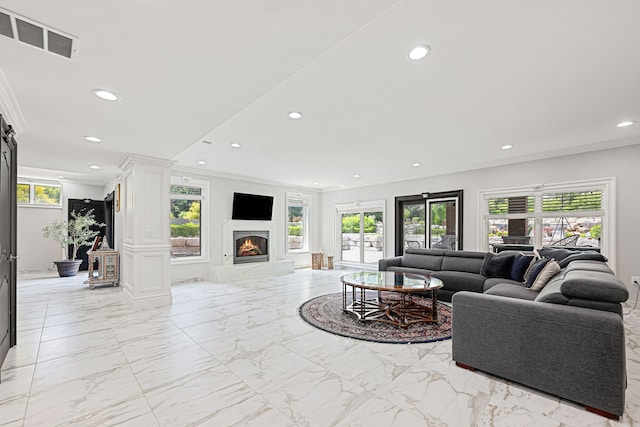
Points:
(402, 312)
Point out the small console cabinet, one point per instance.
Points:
(108, 269)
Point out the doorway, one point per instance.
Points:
(429, 220)
(8, 257)
(83, 206)
(361, 232)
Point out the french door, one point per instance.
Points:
(360, 232)
(429, 220)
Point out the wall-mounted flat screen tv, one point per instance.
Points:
(252, 207)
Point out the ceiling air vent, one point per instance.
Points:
(37, 35)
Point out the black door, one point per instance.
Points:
(109, 220)
(8, 182)
(82, 206)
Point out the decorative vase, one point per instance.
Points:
(68, 268)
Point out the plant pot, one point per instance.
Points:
(68, 268)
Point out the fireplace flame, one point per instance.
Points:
(248, 248)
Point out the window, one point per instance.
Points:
(188, 198)
(570, 214)
(361, 232)
(298, 222)
(39, 194)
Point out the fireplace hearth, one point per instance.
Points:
(251, 246)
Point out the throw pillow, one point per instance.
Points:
(585, 255)
(550, 269)
(534, 270)
(520, 265)
(556, 253)
(497, 266)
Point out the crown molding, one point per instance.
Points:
(9, 106)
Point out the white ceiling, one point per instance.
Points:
(548, 77)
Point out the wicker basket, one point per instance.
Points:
(316, 260)
(329, 262)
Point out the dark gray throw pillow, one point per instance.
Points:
(556, 253)
(584, 256)
(497, 266)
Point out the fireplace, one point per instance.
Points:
(251, 246)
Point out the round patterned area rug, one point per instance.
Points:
(325, 312)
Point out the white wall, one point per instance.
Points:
(37, 253)
(221, 199)
(621, 163)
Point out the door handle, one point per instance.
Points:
(12, 257)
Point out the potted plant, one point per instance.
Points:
(77, 232)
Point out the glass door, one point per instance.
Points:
(361, 233)
(413, 225)
(443, 223)
(428, 220)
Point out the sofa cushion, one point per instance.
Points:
(589, 266)
(582, 256)
(521, 264)
(594, 285)
(422, 258)
(512, 291)
(534, 270)
(460, 281)
(491, 282)
(466, 261)
(497, 265)
(550, 269)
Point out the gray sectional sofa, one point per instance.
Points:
(567, 339)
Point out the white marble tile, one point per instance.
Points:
(76, 344)
(237, 353)
(14, 394)
(26, 353)
(74, 398)
(377, 412)
(162, 368)
(134, 412)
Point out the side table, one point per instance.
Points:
(108, 270)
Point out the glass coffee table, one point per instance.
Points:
(392, 300)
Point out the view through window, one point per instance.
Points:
(298, 222)
(186, 220)
(550, 217)
(36, 193)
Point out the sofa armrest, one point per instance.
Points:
(572, 352)
(385, 263)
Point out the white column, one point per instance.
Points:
(146, 258)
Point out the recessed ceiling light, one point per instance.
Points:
(106, 95)
(235, 144)
(295, 115)
(507, 147)
(92, 138)
(201, 162)
(60, 177)
(419, 52)
(96, 167)
(416, 164)
(356, 175)
(624, 124)
(316, 183)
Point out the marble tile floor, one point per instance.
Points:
(237, 354)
